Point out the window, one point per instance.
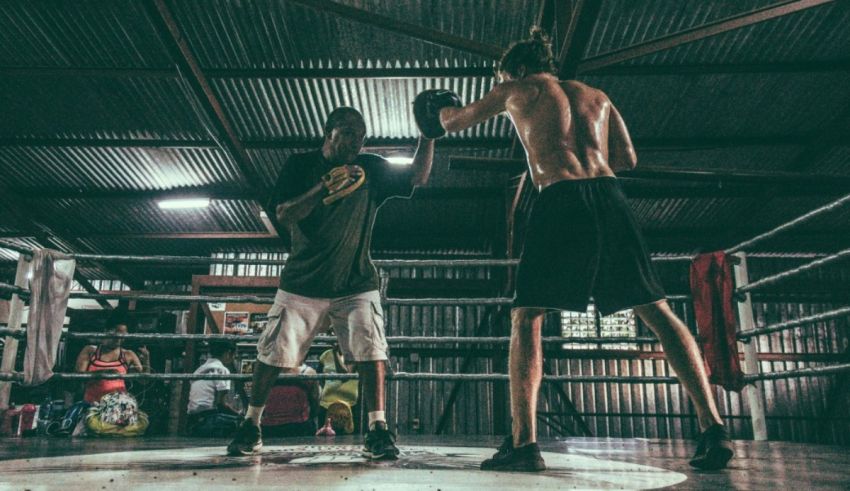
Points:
(219, 269)
(590, 324)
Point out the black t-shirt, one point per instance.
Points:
(330, 247)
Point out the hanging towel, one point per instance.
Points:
(712, 287)
(50, 287)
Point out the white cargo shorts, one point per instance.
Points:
(357, 320)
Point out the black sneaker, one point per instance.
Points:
(380, 443)
(714, 449)
(523, 459)
(247, 441)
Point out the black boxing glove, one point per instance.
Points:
(426, 110)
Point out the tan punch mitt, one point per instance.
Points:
(342, 181)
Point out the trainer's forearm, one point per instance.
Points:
(296, 209)
(423, 159)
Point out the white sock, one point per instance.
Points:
(255, 414)
(375, 416)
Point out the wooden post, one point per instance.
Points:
(746, 322)
(10, 348)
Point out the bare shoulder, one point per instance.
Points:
(87, 350)
(511, 88)
(579, 89)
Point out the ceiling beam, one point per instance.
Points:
(213, 192)
(385, 73)
(576, 24)
(408, 29)
(637, 184)
(106, 143)
(87, 72)
(217, 192)
(169, 33)
(182, 236)
(278, 73)
(377, 143)
(840, 65)
(402, 73)
(87, 286)
(656, 181)
(695, 34)
(264, 144)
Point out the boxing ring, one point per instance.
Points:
(427, 462)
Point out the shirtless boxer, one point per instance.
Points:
(582, 237)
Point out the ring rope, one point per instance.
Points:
(330, 339)
(743, 336)
(381, 263)
(793, 223)
(817, 263)
(476, 377)
(790, 324)
(262, 299)
(801, 372)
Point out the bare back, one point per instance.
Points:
(564, 128)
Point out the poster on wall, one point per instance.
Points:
(247, 367)
(258, 322)
(236, 323)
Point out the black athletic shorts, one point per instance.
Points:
(582, 241)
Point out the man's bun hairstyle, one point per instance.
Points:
(535, 54)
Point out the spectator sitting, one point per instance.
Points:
(114, 412)
(292, 406)
(338, 396)
(210, 414)
(109, 357)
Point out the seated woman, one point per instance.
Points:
(117, 415)
(210, 413)
(109, 357)
(338, 396)
(291, 407)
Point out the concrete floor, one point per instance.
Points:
(427, 463)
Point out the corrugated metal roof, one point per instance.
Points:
(689, 212)
(114, 168)
(95, 107)
(86, 216)
(8, 218)
(268, 162)
(243, 34)
(781, 209)
(267, 34)
(624, 23)
(268, 108)
(836, 161)
(755, 104)
(819, 33)
(94, 33)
